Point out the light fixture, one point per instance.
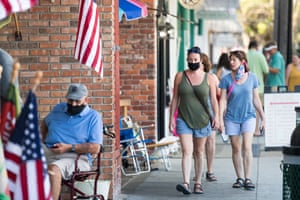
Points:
(164, 27)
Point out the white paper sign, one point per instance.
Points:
(280, 117)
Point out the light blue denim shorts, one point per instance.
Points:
(247, 126)
(182, 128)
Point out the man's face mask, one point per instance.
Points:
(74, 110)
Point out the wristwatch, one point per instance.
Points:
(73, 148)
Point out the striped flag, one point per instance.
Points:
(25, 160)
(4, 191)
(88, 48)
(8, 7)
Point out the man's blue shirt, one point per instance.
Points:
(85, 127)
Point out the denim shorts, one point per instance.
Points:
(247, 126)
(182, 128)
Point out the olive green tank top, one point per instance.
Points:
(190, 108)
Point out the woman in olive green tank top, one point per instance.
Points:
(193, 124)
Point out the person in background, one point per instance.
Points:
(293, 73)
(238, 102)
(71, 128)
(258, 65)
(295, 137)
(223, 66)
(210, 145)
(193, 123)
(276, 76)
(6, 61)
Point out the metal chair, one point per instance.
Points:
(162, 150)
(135, 158)
(79, 176)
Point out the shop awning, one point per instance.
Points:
(132, 9)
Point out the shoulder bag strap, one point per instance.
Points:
(230, 89)
(203, 105)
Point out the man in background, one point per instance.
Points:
(259, 66)
(276, 76)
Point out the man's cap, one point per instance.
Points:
(77, 91)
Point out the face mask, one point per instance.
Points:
(74, 110)
(240, 73)
(194, 66)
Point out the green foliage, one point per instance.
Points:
(257, 18)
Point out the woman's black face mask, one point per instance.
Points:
(74, 110)
(194, 66)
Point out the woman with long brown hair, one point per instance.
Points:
(238, 103)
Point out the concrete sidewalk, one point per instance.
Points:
(160, 185)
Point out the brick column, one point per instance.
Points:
(49, 32)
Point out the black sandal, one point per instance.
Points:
(238, 183)
(210, 177)
(184, 188)
(248, 184)
(198, 188)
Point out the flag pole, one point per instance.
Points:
(38, 76)
(15, 71)
(18, 34)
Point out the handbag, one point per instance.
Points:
(202, 103)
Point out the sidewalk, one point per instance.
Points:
(160, 185)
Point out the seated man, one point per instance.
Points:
(70, 128)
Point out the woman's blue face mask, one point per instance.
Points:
(240, 73)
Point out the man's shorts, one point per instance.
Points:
(232, 128)
(182, 128)
(66, 162)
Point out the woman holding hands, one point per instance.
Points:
(238, 103)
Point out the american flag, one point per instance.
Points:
(25, 160)
(4, 191)
(12, 6)
(88, 47)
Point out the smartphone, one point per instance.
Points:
(225, 137)
(262, 131)
(54, 147)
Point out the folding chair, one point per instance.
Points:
(135, 158)
(162, 150)
(75, 191)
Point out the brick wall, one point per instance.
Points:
(138, 68)
(48, 37)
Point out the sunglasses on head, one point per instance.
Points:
(194, 50)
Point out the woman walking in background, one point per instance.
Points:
(223, 66)
(293, 73)
(210, 145)
(238, 102)
(192, 88)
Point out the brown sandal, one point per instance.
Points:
(198, 188)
